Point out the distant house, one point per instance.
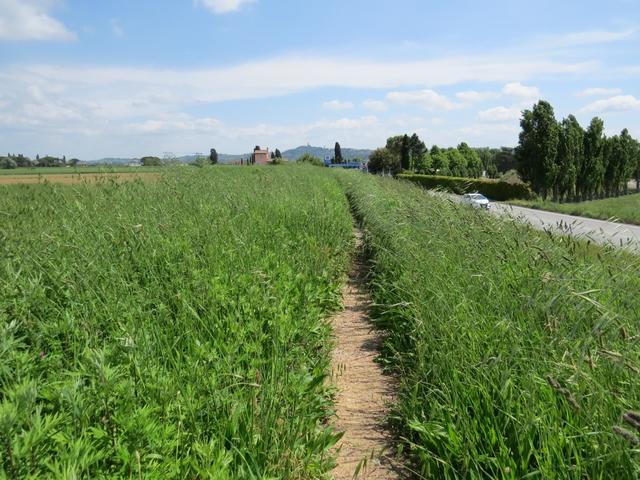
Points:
(261, 156)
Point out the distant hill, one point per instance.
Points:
(347, 153)
(292, 154)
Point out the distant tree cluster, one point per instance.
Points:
(409, 153)
(151, 161)
(562, 161)
(22, 161)
(276, 156)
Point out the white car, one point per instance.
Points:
(476, 200)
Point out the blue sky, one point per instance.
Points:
(89, 78)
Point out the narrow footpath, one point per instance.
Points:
(364, 392)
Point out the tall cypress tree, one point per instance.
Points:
(337, 154)
(405, 153)
(417, 150)
(213, 156)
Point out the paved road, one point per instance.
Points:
(598, 231)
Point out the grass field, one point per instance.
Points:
(178, 329)
(170, 329)
(517, 352)
(625, 209)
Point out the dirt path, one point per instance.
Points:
(363, 390)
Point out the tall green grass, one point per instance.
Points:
(517, 352)
(170, 329)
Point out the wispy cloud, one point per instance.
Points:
(22, 20)
(590, 37)
(238, 82)
(487, 134)
(472, 96)
(499, 114)
(224, 6)
(374, 105)
(516, 89)
(617, 103)
(427, 99)
(337, 105)
(598, 92)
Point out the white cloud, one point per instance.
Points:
(211, 129)
(89, 107)
(489, 134)
(337, 105)
(224, 6)
(177, 123)
(617, 103)
(427, 99)
(30, 20)
(598, 92)
(591, 37)
(374, 105)
(238, 82)
(499, 114)
(472, 96)
(516, 89)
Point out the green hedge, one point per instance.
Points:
(492, 189)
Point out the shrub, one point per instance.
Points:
(310, 159)
(495, 190)
(7, 163)
(384, 160)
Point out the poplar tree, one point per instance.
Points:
(590, 179)
(473, 162)
(625, 161)
(570, 157)
(538, 148)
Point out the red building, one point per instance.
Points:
(261, 156)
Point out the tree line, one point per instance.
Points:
(21, 161)
(564, 162)
(409, 153)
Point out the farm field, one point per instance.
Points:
(625, 209)
(170, 329)
(180, 329)
(73, 179)
(74, 170)
(516, 351)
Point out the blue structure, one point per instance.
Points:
(352, 165)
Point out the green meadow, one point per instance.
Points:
(179, 329)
